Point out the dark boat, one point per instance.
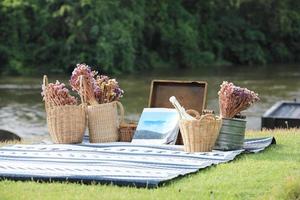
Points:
(283, 114)
(6, 136)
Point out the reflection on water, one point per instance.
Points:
(22, 111)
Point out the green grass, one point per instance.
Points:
(272, 174)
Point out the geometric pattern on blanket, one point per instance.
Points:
(116, 163)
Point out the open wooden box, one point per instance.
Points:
(190, 94)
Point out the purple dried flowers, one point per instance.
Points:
(108, 90)
(56, 94)
(234, 99)
(98, 89)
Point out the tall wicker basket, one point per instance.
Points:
(103, 122)
(200, 135)
(66, 124)
(103, 119)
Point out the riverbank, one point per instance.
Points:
(271, 174)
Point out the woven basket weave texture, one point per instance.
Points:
(66, 124)
(200, 135)
(103, 122)
(126, 131)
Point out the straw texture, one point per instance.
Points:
(193, 113)
(103, 122)
(66, 124)
(200, 135)
(126, 131)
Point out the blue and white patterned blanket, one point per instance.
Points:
(117, 163)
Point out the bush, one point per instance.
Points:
(124, 36)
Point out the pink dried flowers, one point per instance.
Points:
(90, 86)
(56, 94)
(98, 89)
(234, 99)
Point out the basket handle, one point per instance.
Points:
(45, 80)
(82, 90)
(45, 84)
(208, 116)
(121, 112)
(49, 103)
(194, 113)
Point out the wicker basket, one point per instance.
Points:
(126, 131)
(103, 122)
(200, 135)
(194, 114)
(66, 124)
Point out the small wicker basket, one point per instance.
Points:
(126, 131)
(194, 114)
(200, 135)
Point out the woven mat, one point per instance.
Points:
(116, 163)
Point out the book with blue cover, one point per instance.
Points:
(157, 126)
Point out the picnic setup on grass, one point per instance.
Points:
(91, 142)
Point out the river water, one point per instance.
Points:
(22, 110)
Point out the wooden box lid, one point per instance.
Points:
(190, 94)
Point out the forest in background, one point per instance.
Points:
(123, 36)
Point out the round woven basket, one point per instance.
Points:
(194, 114)
(126, 131)
(200, 135)
(103, 122)
(66, 124)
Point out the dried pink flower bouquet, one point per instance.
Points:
(90, 84)
(234, 99)
(98, 89)
(56, 94)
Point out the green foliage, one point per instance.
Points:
(123, 36)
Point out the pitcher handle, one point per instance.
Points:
(82, 90)
(122, 112)
(209, 116)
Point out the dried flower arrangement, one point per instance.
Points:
(90, 87)
(108, 90)
(234, 99)
(98, 88)
(56, 94)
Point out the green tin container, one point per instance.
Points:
(231, 135)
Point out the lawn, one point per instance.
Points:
(271, 174)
